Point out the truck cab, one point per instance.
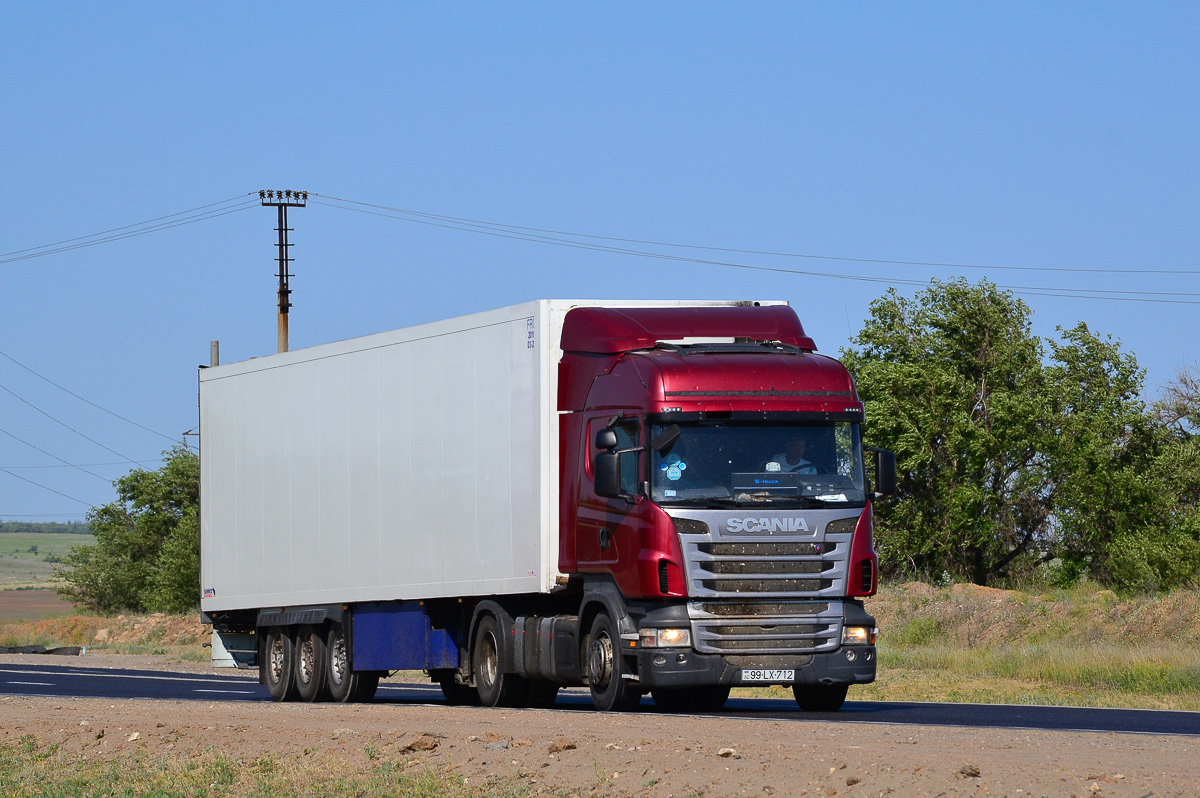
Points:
(716, 506)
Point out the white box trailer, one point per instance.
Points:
(417, 463)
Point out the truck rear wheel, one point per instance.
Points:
(820, 697)
(311, 663)
(495, 687)
(709, 698)
(278, 663)
(606, 669)
(345, 685)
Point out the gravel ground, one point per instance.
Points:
(606, 754)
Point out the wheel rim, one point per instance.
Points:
(307, 661)
(600, 661)
(338, 660)
(277, 656)
(488, 661)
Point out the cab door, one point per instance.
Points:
(608, 530)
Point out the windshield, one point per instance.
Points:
(722, 464)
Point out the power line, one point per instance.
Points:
(54, 456)
(840, 258)
(44, 515)
(73, 465)
(481, 228)
(144, 228)
(67, 426)
(43, 487)
(86, 401)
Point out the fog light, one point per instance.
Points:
(868, 655)
(858, 636)
(660, 660)
(850, 655)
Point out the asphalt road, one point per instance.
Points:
(39, 678)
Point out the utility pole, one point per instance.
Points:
(283, 200)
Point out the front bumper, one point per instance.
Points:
(675, 667)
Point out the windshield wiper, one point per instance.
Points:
(806, 502)
(712, 502)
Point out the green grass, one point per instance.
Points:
(27, 559)
(34, 769)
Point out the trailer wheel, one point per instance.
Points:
(345, 686)
(606, 668)
(820, 697)
(691, 699)
(277, 665)
(495, 687)
(365, 685)
(311, 663)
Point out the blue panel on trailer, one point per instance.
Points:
(395, 635)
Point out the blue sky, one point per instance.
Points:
(1033, 135)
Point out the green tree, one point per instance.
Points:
(146, 556)
(1015, 451)
(954, 384)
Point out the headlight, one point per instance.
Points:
(858, 636)
(665, 638)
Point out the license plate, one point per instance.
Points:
(752, 675)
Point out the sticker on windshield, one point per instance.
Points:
(674, 467)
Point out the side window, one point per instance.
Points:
(629, 460)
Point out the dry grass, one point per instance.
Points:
(1082, 647)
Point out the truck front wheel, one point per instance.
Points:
(606, 669)
(820, 697)
(277, 664)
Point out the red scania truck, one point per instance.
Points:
(663, 498)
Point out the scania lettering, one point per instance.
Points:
(766, 525)
(641, 498)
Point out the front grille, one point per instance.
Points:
(767, 595)
(813, 627)
(720, 568)
(766, 585)
(784, 567)
(723, 609)
(778, 630)
(766, 645)
(771, 550)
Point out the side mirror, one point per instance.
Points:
(885, 471)
(608, 470)
(606, 438)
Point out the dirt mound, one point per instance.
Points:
(917, 613)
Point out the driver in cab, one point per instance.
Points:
(792, 460)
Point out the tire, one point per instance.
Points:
(495, 687)
(278, 663)
(344, 685)
(820, 697)
(311, 664)
(691, 699)
(456, 694)
(365, 685)
(606, 668)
